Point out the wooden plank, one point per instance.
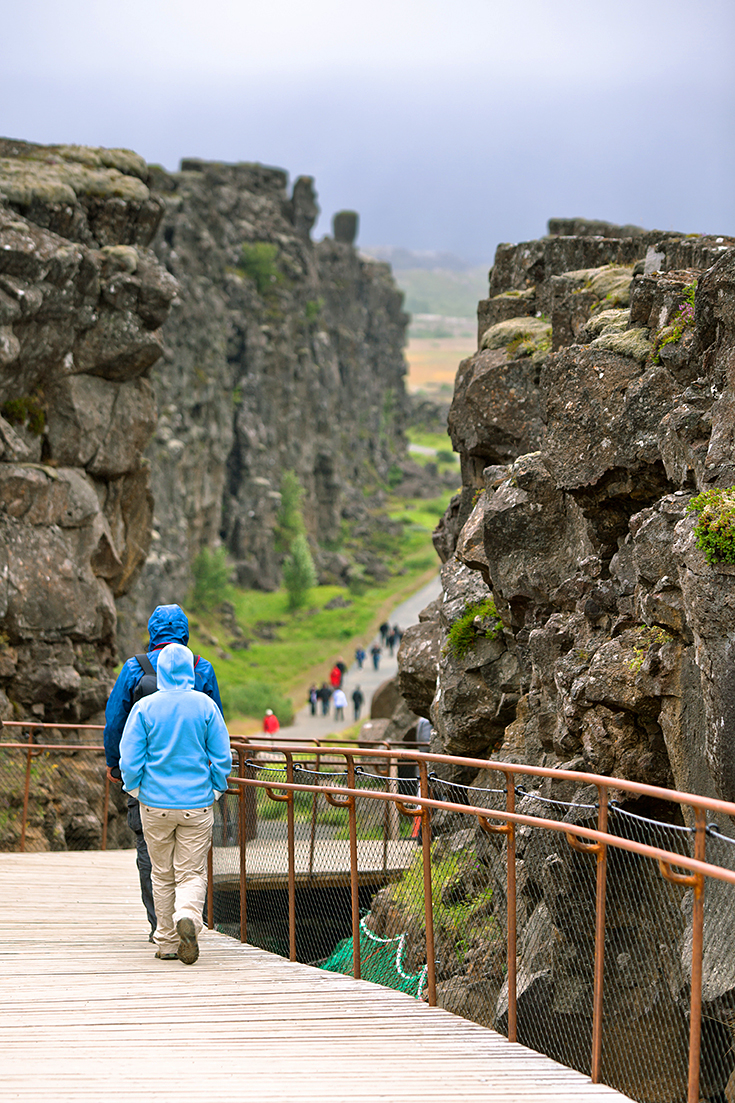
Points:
(87, 1013)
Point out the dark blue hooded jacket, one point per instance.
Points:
(167, 624)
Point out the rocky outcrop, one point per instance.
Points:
(580, 449)
(170, 344)
(82, 300)
(280, 354)
(600, 401)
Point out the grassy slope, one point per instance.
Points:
(308, 642)
(440, 291)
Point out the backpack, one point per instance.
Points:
(148, 682)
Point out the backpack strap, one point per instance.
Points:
(146, 663)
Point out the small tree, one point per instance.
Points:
(289, 520)
(299, 573)
(211, 579)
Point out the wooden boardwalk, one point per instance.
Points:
(88, 1014)
(329, 862)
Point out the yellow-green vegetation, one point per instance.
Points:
(682, 321)
(650, 636)
(439, 449)
(462, 898)
(633, 343)
(258, 262)
(715, 527)
(473, 625)
(289, 648)
(520, 337)
(27, 411)
(609, 285)
(58, 174)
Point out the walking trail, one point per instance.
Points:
(306, 726)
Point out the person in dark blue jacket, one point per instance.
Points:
(167, 624)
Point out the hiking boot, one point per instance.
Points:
(188, 950)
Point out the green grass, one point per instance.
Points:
(441, 291)
(307, 641)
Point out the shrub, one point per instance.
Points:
(299, 573)
(211, 579)
(258, 263)
(27, 411)
(682, 321)
(289, 520)
(715, 527)
(464, 632)
(253, 698)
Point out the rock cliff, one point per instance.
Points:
(82, 300)
(583, 626)
(280, 354)
(170, 344)
(598, 403)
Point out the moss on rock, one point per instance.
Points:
(60, 175)
(517, 332)
(634, 343)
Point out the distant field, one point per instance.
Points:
(433, 362)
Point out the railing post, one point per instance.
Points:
(105, 810)
(291, 861)
(428, 894)
(695, 1014)
(26, 792)
(354, 883)
(597, 1009)
(210, 889)
(315, 799)
(510, 805)
(243, 837)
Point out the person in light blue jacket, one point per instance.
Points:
(175, 758)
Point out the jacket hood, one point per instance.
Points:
(168, 624)
(175, 667)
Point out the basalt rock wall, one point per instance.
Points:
(170, 344)
(583, 435)
(82, 300)
(280, 354)
(599, 402)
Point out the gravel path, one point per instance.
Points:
(307, 726)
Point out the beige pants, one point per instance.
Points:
(178, 841)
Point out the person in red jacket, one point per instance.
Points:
(270, 722)
(335, 677)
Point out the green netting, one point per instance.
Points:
(381, 961)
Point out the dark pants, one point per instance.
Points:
(142, 859)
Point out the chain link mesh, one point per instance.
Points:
(645, 1034)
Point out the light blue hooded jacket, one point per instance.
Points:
(175, 748)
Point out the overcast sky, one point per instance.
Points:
(448, 124)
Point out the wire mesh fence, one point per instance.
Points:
(53, 794)
(417, 898)
(645, 1009)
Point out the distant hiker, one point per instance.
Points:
(325, 696)
(339, 700)
(270, 722)
(384, 630)
(357, 700)
(313, 698)
(360, 657)
(175, 759)
(391, 641)
(341, 666)
(335, 677)
(167, 624)
(375, 651)
(397, 635)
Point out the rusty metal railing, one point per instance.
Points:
(377, 850)
(688, 871)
